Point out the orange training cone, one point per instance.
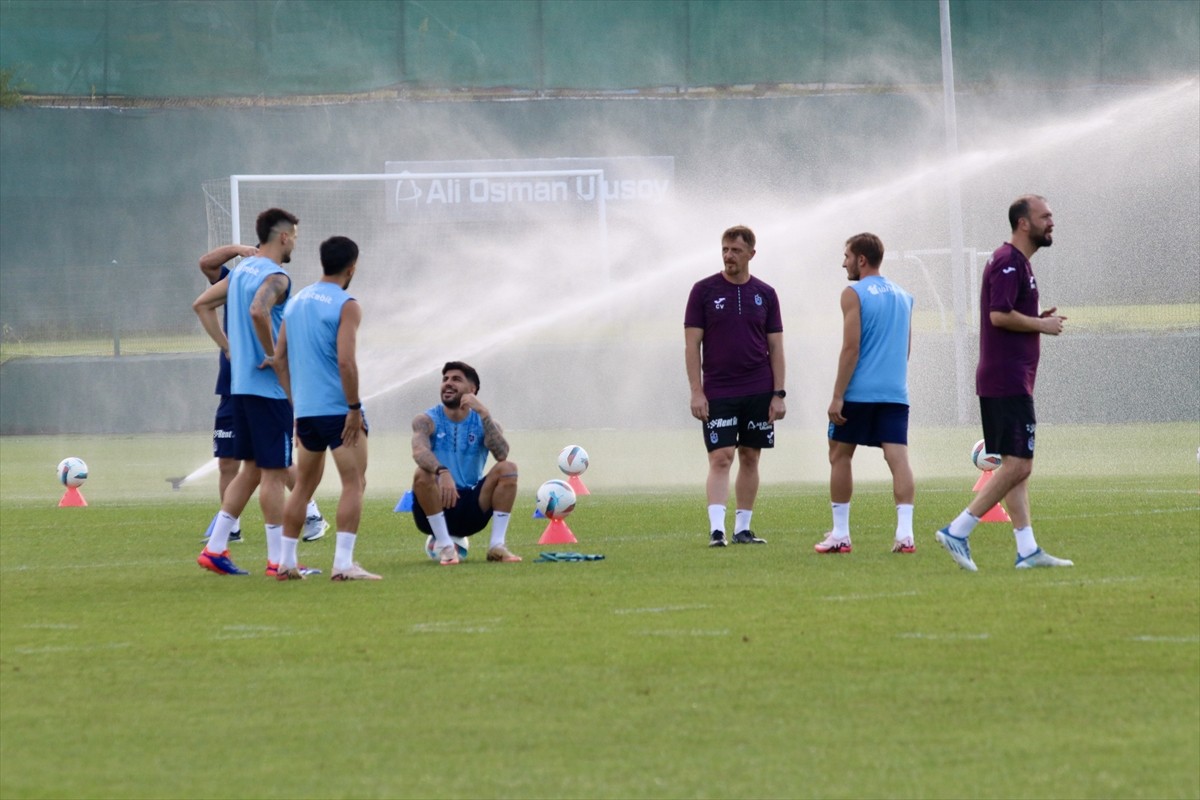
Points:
(576, 483)
(557, 532)
(997, 512)
(72, 497)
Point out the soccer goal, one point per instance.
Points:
(446, 220)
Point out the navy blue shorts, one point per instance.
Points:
(223, 429)
(741, 421)
(1009, 425)
(463, 519)
(872, 424)
(262, 431)
(319, 433)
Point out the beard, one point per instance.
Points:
(453, 402)
(1042, 240)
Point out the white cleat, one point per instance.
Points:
(1040, 558)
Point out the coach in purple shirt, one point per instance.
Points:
(733, 336)
(1011, 325)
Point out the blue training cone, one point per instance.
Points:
(405, 504)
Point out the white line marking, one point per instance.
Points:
(252, 632)
(694, 632)
(658, 609)
(50, 626)
(27, 651)
(944, 636)
(839, 597)
(456, 626)
(1166, 639)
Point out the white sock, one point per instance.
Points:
(219, 541)
(343, 554)
(313, 511)
(237, 525)
(904, 512)
(716, 518)
(499, 528)
(441, 532)
(963, 524)
(741, 519)
(841, 520)
(274, 543)
(1026, 544)
(287, 553)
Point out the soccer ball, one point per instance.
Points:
(981, 458)
(573, 460)
(555, 499)
(461, 543)
(72, 471)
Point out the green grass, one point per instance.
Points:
(666, 670)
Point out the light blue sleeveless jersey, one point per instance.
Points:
(313, 317)
(459, 446)
(245, 351)
(881, 375)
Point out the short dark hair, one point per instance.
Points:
(739, 232)
(867, 245)
(268, 219)
(1019, 209)
(337, 254)
(465, 369)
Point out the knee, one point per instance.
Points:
(507, 472)
(421, 479)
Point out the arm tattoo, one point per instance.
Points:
(493, 439)
(422, 431)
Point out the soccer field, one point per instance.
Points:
(665, 670)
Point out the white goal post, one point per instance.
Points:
(327, 199)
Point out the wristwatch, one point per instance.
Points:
(780, 393)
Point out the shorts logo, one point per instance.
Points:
(1030, 429)
(719, 303)
(771, 437)
(759, 426)
(719, 422)
(222, 434)
(712, 437)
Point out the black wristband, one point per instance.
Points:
(356, 406)
(440, 470)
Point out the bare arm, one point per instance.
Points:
(692, 337)
(212, 261)
(270, 294)
(206, 306)
(423, 429)
(493, 434)
(1049, 322)
(347, 345)
(848, 357)
(280, 362)
(779, 372)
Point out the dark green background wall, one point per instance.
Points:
(189, 48)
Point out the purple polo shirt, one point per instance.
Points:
(736, 319)
(1008, 360)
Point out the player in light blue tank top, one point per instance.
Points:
(454, 498)
(870, 393)
(881, 375)
(312, 317)
(246, 352)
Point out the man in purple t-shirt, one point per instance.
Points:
(733, 336)
(1011, 324)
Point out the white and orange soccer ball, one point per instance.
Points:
(555, 499)
(573, 460)
(981, 458)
